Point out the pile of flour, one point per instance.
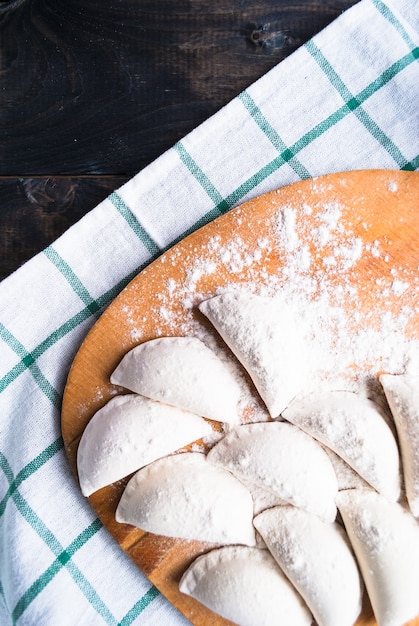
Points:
(347, 346)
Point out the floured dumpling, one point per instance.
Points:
(129, 432)
(262, 498)
(262, 333)
(184, 496)
(316, 557)
(244, 585)
(385, 538)
(346, 476)
(402, 393)
(283, 459)
(183, 372)
(355, 428)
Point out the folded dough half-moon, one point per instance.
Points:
(183, 372)
(354, 427)
(262, 498)
(385, 538)
(246, 586)
(402, 393)
(283, 459)
(129, 432)
(318, 560)
(184, 496)
(346, 476)
(263, 335)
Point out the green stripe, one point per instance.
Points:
(28, 513)
(258, 178)
(289, 153)
(72, 279)
(66, 328)
(394, 21)
(388, 75)
(271, 133)
(412, 165)
(28, 362)
(200, 176)
(139, 606)
(60, 332)
(233, 198)
(30, 469)
(354, 104)
(7, 470)
(320, 129)
(63, 560)
(62, 555)
(133, 222)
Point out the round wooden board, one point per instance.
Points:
(377, 207)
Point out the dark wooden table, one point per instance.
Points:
(91, 91)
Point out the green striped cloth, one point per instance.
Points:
(348, 99)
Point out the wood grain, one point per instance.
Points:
(374, 213)
(35, 211)
(103, 88)
(92, 87)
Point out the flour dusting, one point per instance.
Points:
(320, 279)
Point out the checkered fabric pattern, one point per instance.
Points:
(347, 99)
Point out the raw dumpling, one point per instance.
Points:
(317, 559)
(402, 393)
(262, 498)
(246, 586)
(283, 459)
(183, 372)
(129, 432)
(262, 333)
(355, 428)
(184, 496)
(385, 538)
(346, 476)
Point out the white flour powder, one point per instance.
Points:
(347, 346)
(327, 274)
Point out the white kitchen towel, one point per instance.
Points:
(347, 99)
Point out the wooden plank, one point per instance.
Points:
(35, 211)
(105, 87)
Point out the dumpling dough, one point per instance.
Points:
(262, 333)
(316, 557)
(129, 432)
(385, 538)
(283, 459)
(354, 427)
(244, 585)
(346, 476)
(262, 498)
(402, 393)
(183, 372)
(184, 496)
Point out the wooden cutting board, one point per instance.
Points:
(380, 211)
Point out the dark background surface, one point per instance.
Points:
(91, 91)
